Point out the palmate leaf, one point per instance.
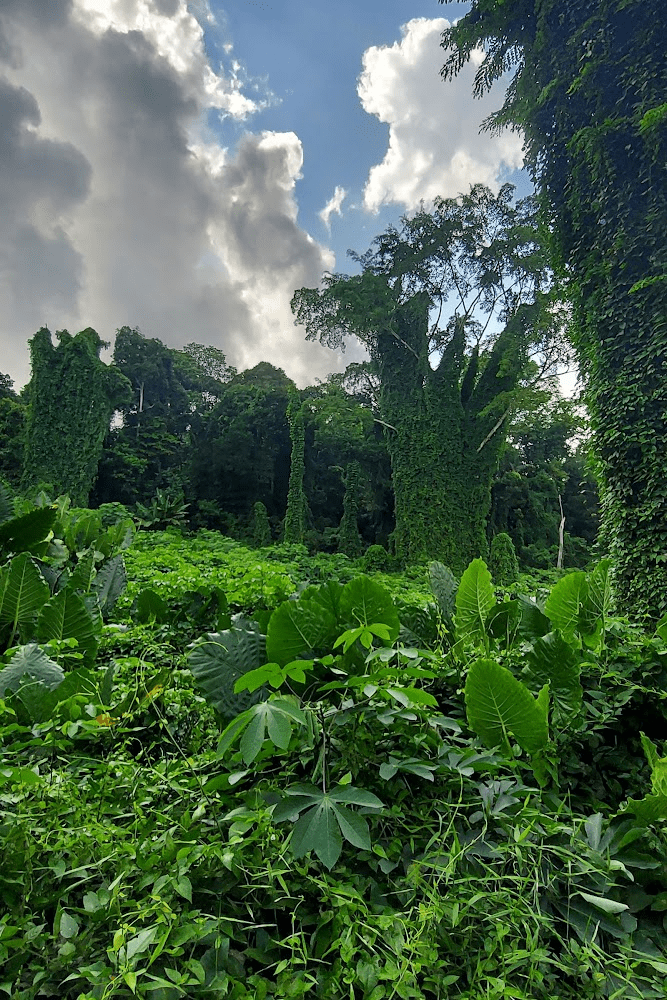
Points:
(275, 717)
(326, 819)
(365, 602)
(24, 593)
(474, 600)
(66, 616)
(551, 660)
(499, 706)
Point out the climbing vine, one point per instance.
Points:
(588, 92)
(349, 539)
(444, 423)
(296, 514)
(72, 397)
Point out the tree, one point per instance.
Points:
(588, 92)
(12, 432)
(481, 257)
(71, 398)
(296, 515)
(349, 539)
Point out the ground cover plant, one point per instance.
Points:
(238, 776)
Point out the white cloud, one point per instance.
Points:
(434, 143)
(119, 209)
(334, 204)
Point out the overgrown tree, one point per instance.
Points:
(349, 539)
(588, 92)
(297, 510)
(481, 257)
(12, 432)
(72, 396)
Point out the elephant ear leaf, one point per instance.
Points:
(365, 602)
(66, 616)
(474, 600)
(566, 602)
(298, 628)
(551, 660)
(25, 591)
(220, 660)
(444, 586)
(499, 706)
(31, 663)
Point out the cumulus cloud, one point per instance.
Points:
(434, 143)
(334, 204)
(120, 207)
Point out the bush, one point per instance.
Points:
(375, 559)
(503, 563)
(261, 529)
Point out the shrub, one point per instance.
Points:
(375, 559)
(502, 560)
(261, 529)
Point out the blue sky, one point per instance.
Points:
(169, 165)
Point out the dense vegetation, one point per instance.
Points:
(299, 694)
(383, 787)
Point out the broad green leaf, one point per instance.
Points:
(565, 602)
(318, 830)
(65, 616)
(151, 607)
(532, 621)
(24, 593)
(327, 595)
(353, 827)
(649, 810)
(474, 600)
(32, 662)
(69, 927)
(253, 738)
(279, 727)
(84, 573)
(598, 604)
(41, 703)
(298, 628)
(661, 628)
(443, 586)
(551, 660)
(110, 583)
(658, 766)
(219, 661)
(275, 716)
(499, 706)
(365, 602)
(604, 904)
(356, 797)
(25, 533)
(503, 620)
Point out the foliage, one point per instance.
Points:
(444, 425)
(588, 93)
(296, 514)
(349, 539)
(502, 559)
(72, 396)
(165, 511)
(261, 529)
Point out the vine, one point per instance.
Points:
(72, 397)
(297, 511)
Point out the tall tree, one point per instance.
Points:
(12, 432)
(72, 396)
(479, 256)
(296, 516)
(588, 92)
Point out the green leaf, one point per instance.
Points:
(110, 583)
(474, 600)
(41, 703)
(69, 927)
(565, 602)
(83, 574)
(499, 706)
(365, 602)
(318, 830)
(25, 533)
(32, 662)
(253, 737)
(151, 607)
(219, 661)
(551, 660)
(604, 904)
(24, 593)
(533, 623)
(598, 604)
(298, 628)
(444, 586)
(65, 616)
(353, 827)
(648, 811)
(356, 797)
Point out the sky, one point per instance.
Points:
(183, 167)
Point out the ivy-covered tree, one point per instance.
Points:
(12, 432)
(349, 539)
(480, 257)
(588, 92)
(296, 515)
(72, 396)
